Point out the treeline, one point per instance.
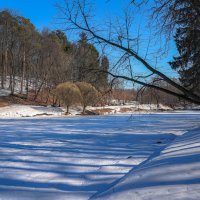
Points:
(152, 96)
(34, 63)
(31, 61)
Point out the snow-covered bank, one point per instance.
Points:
(75, 158)
(173, 173)
(18, 111)
(28, 111)
(14, 111)
(130, 108)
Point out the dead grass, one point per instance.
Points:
(17, 99)
(103, 111)
(3, 102)
(125, 110)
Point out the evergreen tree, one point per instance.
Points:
(86, 61)
(103, 75)
(187, 40)
(62, 40)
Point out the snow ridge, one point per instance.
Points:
(171, 173)
(135, 168)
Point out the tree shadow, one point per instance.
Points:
(177, 167)
(76, 157)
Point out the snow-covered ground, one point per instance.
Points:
(17, 86)
(173, 173)
(15, 111)
(138, 106)
(4, 93)
(110, 157)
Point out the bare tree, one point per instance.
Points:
(150, 95)
(79, 16)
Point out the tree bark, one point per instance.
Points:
(84, 108)
(23, 71)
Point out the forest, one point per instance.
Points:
(33, 61)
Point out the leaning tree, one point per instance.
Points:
(120, 36)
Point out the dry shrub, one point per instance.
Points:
(69, 94)
(89, 94)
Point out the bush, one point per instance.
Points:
(69, 94)
(89, 94)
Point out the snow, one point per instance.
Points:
(109, 157)
(136, 108)
(17, 86)
(173, 173)
(14, 111)
(4, 93)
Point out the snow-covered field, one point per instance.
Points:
(152, 156)
(15, 111)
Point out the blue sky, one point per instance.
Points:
(43, 14)
(40, 12)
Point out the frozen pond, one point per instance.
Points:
(74, 158)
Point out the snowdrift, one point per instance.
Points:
(173, 173)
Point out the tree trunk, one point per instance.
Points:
(2, 72)
(67, 109)
(27, 88)
(23, 71)
(84, 107)
(12, 82)
(48, 95)
(54, 101)
(5, 66)
(38, 91)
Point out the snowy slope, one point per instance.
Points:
(76, 158)
(172, 174)
(17, 86)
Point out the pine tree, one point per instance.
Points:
(87, 61)
(62, 40)
(187, 40)
(104, 75)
